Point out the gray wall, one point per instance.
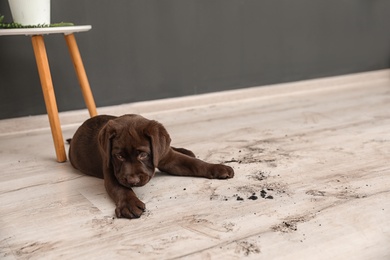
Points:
(144, 50)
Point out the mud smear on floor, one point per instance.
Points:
(290, 224)
(316, 193)
(247, 248)
(259, 176)
(267, 151)
(103, 223)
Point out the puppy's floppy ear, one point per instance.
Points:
(105, 136)
(160, 140)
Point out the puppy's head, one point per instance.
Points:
(131, 147)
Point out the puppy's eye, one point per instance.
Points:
(119, 157)
(143, 156)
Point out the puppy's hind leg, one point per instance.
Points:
(184, 151)
(180, 164)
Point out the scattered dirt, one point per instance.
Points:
(247, 248)
(249, 189)
(260, 151)
(259, 176)
(315, 193)
(259, 188)
(264, 195)
(229, 226)
(276, 188)
(232, 160)
(266, 151)
(290, 224)
(286, 227)
(253, 197)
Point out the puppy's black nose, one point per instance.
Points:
(133, 180)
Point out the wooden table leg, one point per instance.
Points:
(81, 74)
(49, 96)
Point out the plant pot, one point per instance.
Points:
(30, 12)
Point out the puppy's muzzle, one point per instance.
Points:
(134, 180)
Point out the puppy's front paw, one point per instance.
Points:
(219, 171)
(130, 207)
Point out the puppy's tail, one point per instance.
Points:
(68, 140)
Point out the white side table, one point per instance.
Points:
(45, 75)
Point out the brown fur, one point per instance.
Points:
(125, 151)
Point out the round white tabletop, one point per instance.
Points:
(45, 30)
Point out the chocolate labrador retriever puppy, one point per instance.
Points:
(126, 150)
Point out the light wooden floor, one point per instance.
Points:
(319, 148)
